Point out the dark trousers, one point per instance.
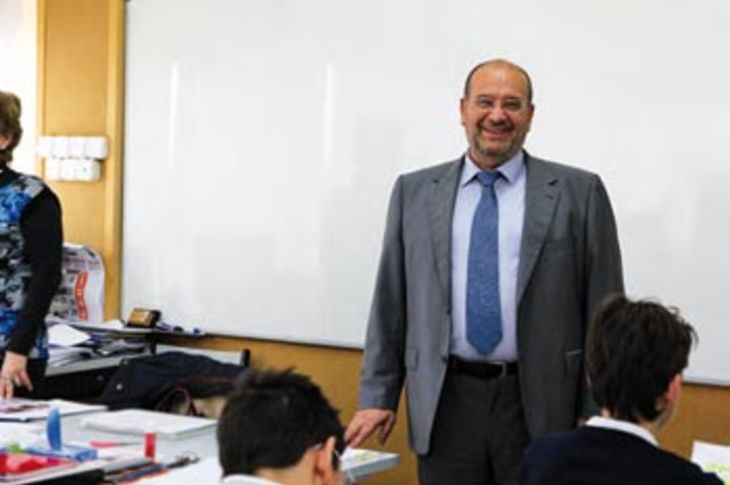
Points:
(36, 372)
(479, 434)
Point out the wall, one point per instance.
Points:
(703, 415)
(18, 71)
(80, 90)
(375, 95)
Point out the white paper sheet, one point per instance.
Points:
(713, 458)
(23, 434)
(65, 335)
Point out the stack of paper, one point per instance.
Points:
(24, 435)
(58, 356)
(138, 421)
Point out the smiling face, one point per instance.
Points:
(496, 113)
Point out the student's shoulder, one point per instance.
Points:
(567, 445)
(552, 447)
(549, 459)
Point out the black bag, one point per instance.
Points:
(161, 382)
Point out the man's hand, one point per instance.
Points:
(365, 422)
(14, 374)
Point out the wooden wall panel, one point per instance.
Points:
(704, 414)
(80, 92)
(75, 52)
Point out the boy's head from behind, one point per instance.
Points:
(279, 422)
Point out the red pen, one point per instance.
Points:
(150, 440)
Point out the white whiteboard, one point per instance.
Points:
(263, 137)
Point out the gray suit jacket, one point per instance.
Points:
(569, 262)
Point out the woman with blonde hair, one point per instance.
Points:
(31, 242)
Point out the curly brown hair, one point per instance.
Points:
(10, 128)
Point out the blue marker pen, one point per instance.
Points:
(53, 430)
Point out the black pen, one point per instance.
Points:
(182, 461)
(138, 473)
(150, 469)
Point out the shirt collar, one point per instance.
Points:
(624, 426)
(246, 480)
(510, 170)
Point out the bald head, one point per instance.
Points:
(499, 64)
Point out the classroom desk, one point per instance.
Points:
(204, 445)
(92, 364)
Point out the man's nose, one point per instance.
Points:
(497, 115)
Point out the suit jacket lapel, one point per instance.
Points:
(541, 198)
(441, 210)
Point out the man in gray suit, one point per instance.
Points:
(491, 267)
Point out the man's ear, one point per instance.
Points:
(668, 402)
(324, 466)
(674, 390)
(462, 109)
(531, 107)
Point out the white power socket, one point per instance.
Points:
(73, 169)
(73, 158)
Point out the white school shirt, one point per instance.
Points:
(510, 192)
(246, 480)
(624, 426)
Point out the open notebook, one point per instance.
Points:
(138, 421)
(19, 409)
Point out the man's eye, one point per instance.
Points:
(513, 106)
(484, 103)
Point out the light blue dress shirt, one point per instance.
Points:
(510, 190)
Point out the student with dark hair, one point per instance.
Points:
(636, 352)
(278, 428)
(31, 244)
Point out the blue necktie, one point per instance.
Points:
(483, 312)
